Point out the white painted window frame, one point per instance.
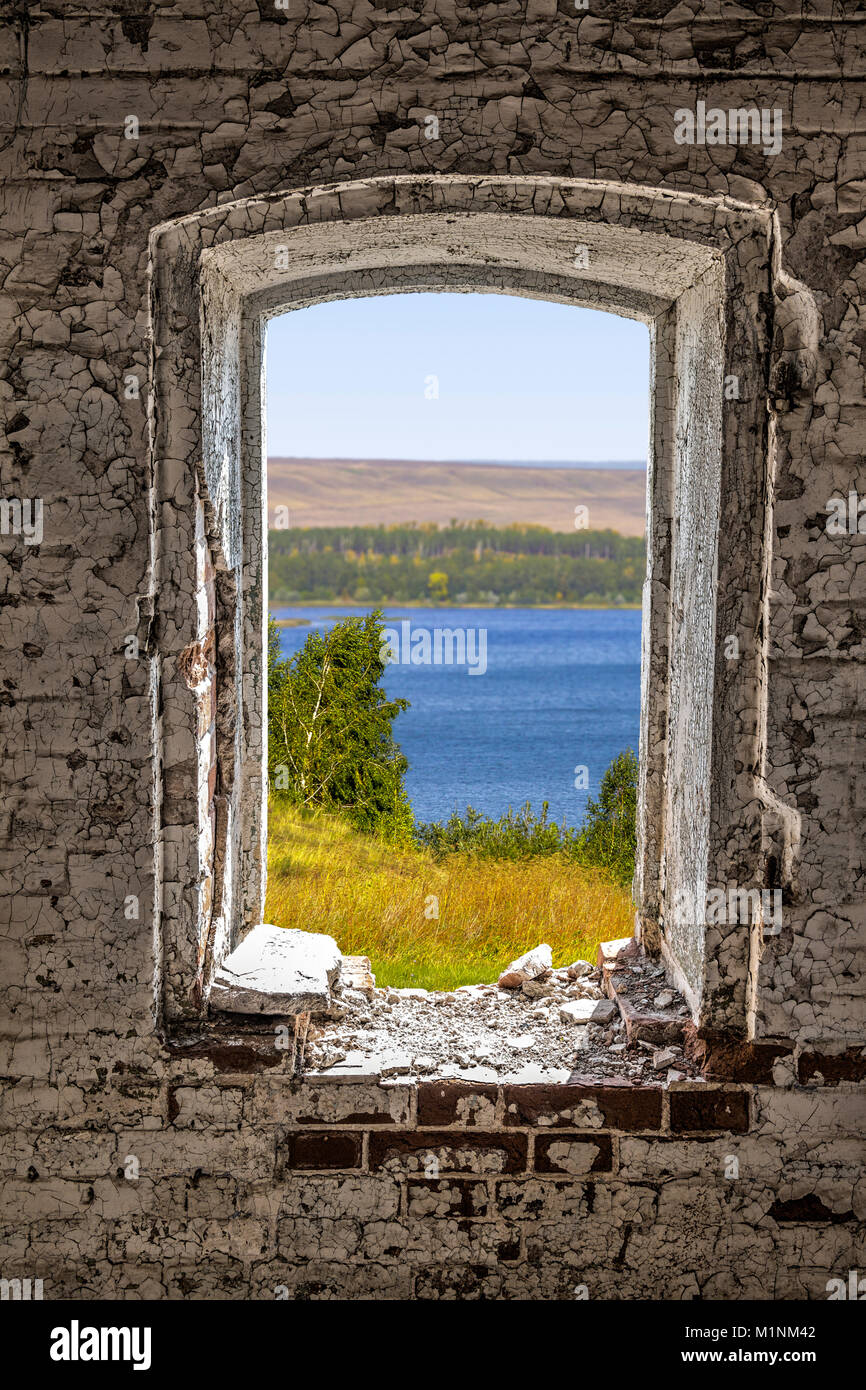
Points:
(699, 272)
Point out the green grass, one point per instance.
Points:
(377, 900)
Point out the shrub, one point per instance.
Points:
(608, 836)
(516, 835)
(606, 840)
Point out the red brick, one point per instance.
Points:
(315, 1149)
(726, 1057)
(471, 1151)
(358, 1117)
(595, 1150)
(228, 1056)
(709, 1108)
(621, 1105)
(833, 1067)
(438, 1101)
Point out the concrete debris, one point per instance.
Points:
(651, 1016)
(551, 1025)
(587, 1011)
(538, 989)
(356, 973)
(664, 1057)
(536, 964)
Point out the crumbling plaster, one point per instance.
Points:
(248, 1180)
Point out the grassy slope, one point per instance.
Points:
(323, 876)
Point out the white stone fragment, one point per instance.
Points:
(587, 1011)
(664, 1057)
(535, 964)
(395, 1064)
(277, 971)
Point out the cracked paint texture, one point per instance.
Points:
(131, 827)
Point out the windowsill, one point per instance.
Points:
(482, 1033)
(542, 1034)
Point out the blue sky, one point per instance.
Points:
(518, 380)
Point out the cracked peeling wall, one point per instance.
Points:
(234, 102)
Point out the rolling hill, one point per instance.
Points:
(347, 492)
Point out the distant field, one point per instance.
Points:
(348, 492)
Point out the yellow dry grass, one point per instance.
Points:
(381, 902)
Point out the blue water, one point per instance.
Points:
(561, 690)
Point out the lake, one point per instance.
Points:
(552, 690)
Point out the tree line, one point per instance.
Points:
(463, 563)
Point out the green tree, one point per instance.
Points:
(608, 835)
(330, 727)
(437, 585)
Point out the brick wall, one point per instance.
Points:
(213, 1172)
(234, 101)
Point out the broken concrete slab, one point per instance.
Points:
(277, 971)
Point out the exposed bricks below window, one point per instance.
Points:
(322, 1150)
(566, 1131)
(709, 1109)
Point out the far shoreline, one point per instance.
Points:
(452, 607)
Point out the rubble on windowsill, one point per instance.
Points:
(537, 1024)
(653, 1013)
